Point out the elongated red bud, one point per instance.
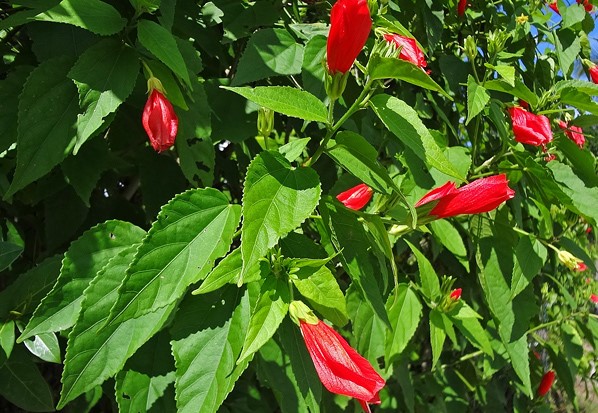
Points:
(159, 121)
(546, 383)
(456, 294)
(356, 197)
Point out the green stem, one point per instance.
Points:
(557, 321)
(362, 99)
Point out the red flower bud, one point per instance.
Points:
(586, 4)
(546, 383)
(554, 6)
(529, 128)
(479, 196)
(350, 25)
(456, 294)
(159, 121)
(594, 73)
(356, 197)
(340, 368)
(410, 51)
(575, 133)
(594, 298)
(581, 267)
(461, 7)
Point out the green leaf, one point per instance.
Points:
(7, 340)
(227, 271)
(587, 88)
(568, 46)
(460, 316)
(286, 100)
(428, 278)
(392, 68)
(9, 252)
(520, 90)
(191, 232)
(93, 15)
(10, 89)
(269, 52)
(448, 236)
(530, 256)
(351, 240)
(162, 44)
(404, 123)
(572, 15)
(584, 199)
(24, 294)
(477, 98)
(105, 75)
(45, 346)
(48, 108)
(274, 371)
(506, 72)
(582, 161)
(23, 16)
(269, 311)
(322, 291)
(356, 155)
(314, 72)
(293, 150)
(369, 332)
(85, 257)
(22, 384)
(276, 199)
(404, 312)
(97, 349)
(437, 334)
(137, 392)
(310, 386)
(207, 339)
(194, 146)
(171, 86)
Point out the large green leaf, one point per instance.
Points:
(530, 256)
(568, 45)
(584, 199)
(105, 75)
(437, 334)
(428, 278)
(369, 331)
(207, 339)
(93, 15)
(286, 100)
(404, 312)
(22, 384)
(23, 295)
(269, 52)
(10, 89)
(191, 232)
(393, 68)
(162, 44)
(302, 365)
(350, 238)
(520, 90)
(137, 392)
(277, 198)
(448, 236)
(86, 256)
(48, 108)
(227, 271)
(404, 123)
(268, 313)
(353, 153)
(461, 317)
(477, 98)
(97, 349)
(8, 253)
(322, 291)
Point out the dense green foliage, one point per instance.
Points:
(138, 281)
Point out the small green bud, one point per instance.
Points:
(335, 84)
(265, 121)
(471, 49)
(300, 312)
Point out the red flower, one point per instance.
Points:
(350, 25)
(159, 121)
(594, 73)
(575, 133)
(594, 298)
(529, 128)
(546, 383)
(461, 7)
(586, 4)
(356, 197)
(340, 368)
(479, 196)
(581, 267)
(554, 6)
(456, 294)
(410, 51)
